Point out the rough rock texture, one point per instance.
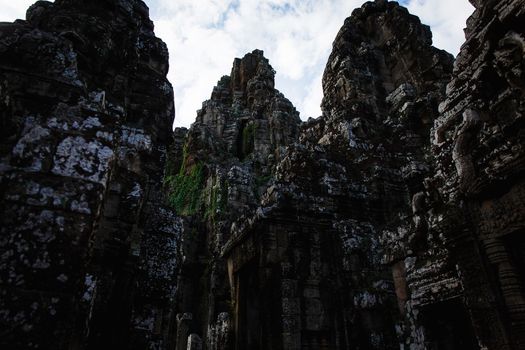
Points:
(339, 212)
(477, 193)
(393, 221)
(219, 171)
(87, 251)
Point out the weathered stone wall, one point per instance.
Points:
(86, 114)
(477, 191)
(218, 170)
(340, 210)
(395, 220)
(367, 190)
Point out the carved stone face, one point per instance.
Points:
(510, 58)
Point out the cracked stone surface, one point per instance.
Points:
(86, 113)
(395, 220)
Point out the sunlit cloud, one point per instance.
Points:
(204, 36)
(296, 36)
(446, 18)
(11, 10)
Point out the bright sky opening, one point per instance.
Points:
(204, 37)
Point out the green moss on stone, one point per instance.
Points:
(185, 188)
(218, 200)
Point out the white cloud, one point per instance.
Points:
(446, 18)
(12, 10)
(296, 35)
(203, 37)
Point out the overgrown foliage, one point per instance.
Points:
(218, 200)
(185, 188)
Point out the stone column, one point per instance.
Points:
(291, 308)
(194, 342)
(510, 286)
(400, 284)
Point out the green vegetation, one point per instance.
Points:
(248, 139)
(185, 188)
(189, 191)
(218, 200)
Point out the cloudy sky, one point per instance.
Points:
(203, 37)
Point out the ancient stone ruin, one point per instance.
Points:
(396, 220)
